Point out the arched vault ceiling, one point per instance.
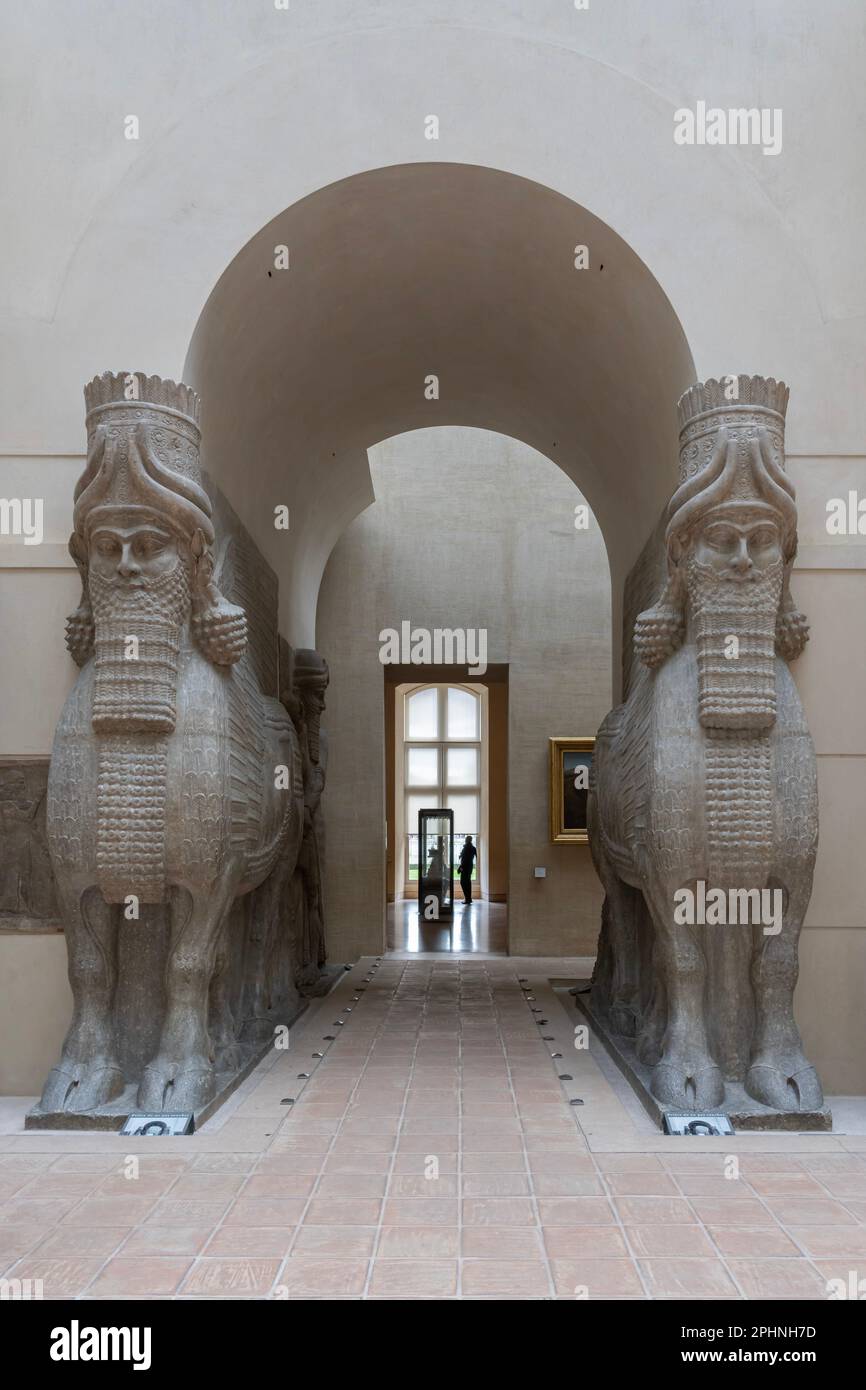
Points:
(455, 271)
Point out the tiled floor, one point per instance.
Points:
(434, 1153)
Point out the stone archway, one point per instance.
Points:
(453, 271)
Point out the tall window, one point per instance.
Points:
(441, 762)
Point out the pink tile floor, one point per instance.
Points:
(433, 1153)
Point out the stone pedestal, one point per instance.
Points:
(742, 1110)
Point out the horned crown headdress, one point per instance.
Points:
(143, 455)
(732, 452)
(143, 442)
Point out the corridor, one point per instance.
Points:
(416, 1141)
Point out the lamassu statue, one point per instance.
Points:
(173, 778)
(705, 778)
(311, 682)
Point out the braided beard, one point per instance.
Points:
(736, 693)
(138, 695)
(313, 721)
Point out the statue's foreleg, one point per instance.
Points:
(181, 1076)
(88, 1073)
(779, 1073)
(686, 1074)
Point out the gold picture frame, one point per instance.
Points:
(567, 808)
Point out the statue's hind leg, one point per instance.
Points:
(222, 1023)
(181, 1075)
(779, 1073)
(686, 1075)
(616, 980)
(88, 1073)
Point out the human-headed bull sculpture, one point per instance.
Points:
(705, 779)
(173, 778)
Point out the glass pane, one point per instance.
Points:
(414, 803)
(422, 767)
(462, 714)
(421, 714)
(463, 767)
(413, 856)
(465, 810)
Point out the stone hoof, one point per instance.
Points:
(229, 1057)
(689, 1086)
(62, 1081)
(623, 1020)
(79, 1087)
(255, 1030)
(792, 1087)
(648, 1050)
(176, 1085)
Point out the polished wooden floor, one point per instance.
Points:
(480, 929)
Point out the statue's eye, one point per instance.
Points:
(107, 545)
(760, 540)
(148, 545)
(722, 538)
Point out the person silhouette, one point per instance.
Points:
(467, 860)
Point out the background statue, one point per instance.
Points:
(310, 682)
(174, 780)
(707, 774)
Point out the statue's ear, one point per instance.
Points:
(78, 551)
(675, 587)
(202, 561)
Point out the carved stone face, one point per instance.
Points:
(738, 545)
(133, 557)
(734, 577)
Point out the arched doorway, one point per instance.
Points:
(455, 272)
(427, 295)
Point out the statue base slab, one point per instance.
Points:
(744, 1112)
(114, 1115)
(322, 982)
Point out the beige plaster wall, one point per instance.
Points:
(35, 1009)
(469, 529)
(831, 677)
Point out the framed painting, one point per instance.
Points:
(570, 762)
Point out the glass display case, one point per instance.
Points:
(435, 864)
